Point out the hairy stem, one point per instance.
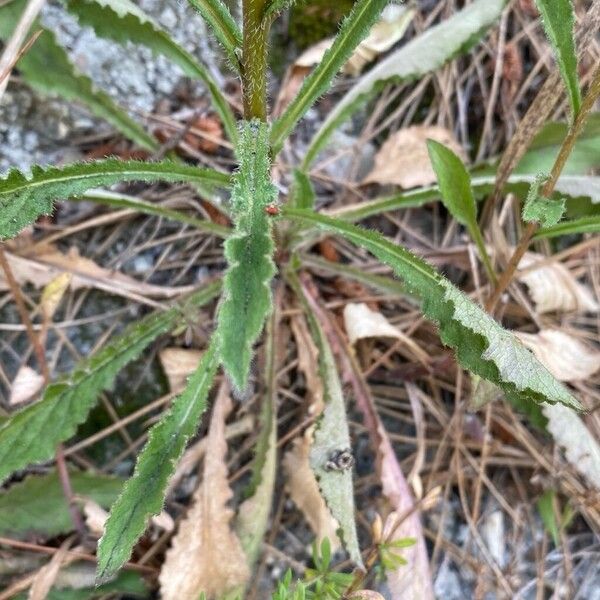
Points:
(547, 190)
(254, 60)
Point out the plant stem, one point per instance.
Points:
(575, 130)
(254, 60)
(61, 464)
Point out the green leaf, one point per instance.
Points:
(302, 193)
(415, 59)
(249, 252)
(144, 493)
(37, 504)
(354, 29)
(276, 6)
(23, 199)
(573, 186)
(559, 21)
(148, 208)
(454, 182)
(218, 17)
(574, 227)
(544, 149)
(253, 514)
(538, 209)
(331, 435)
(457, 195)
(47, 68)
(31, 435)
(545, 506)
(481, 345)
(123, 21)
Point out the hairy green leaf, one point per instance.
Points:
(144, 494)
(23, 199)
(481, 345)
(457, 194)
(253, 515)
(573, 186)
(302, 193)
(148, 208)
(559, 22)
(538, 209)
(37, 504)
(276, 6)
(574, 227)
(123, 21)
(420, 56)
(47, 68)
(218, 17)
(330, 438)
(354, 29)
(249, 252)
(32, 434)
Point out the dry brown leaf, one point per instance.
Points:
(53, 294)
(403, 159)
(567, 358)
(384, 34)
(46, 576)
(554, 288)
(571, 433)
(361, 322)
(205, 555)
(390, 29)
(308, 363)
(26, 384)
(178, 364)
(95, 519)
(46, 266)
(304, 490)
(365, 595)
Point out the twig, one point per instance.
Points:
(575, 130)
(13, 46)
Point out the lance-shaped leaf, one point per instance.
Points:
(123, 21)
(47, 68)
(330, 439)
(559, 22)
(354, 29)
(218, 17)
(138, 205)
(31, 435)
(576, 226)
(457, 194)
(481, 345)
(253, 515)
(422, 55)
(24, 198)
(144, 494)
(246, 286)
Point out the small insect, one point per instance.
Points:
(340, 460)
(272, 209)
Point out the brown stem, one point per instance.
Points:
(254, 60)
(61, 464)
(575, 130)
